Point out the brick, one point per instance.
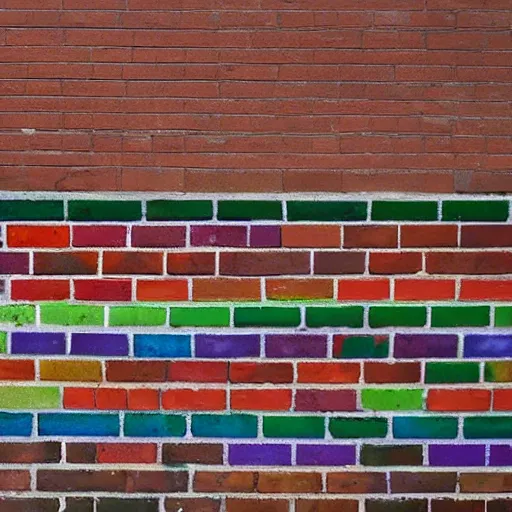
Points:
(310, 236)
(428, 235)
(162, 290)
(78, 424)
(260, 372)
(30, 453)
(99, 344)
(137, 315)
(363, 289)
(267, 316)
(234, 481)
(483, 211)
(38, 236)
(14, 480)
(81, 453)
(392, 399)
(194, 400)
(158, 236)
(403, 316)
(473, 289)
(487, 345)
(404, 210)
(261, 399)
(132, 262)
(345, 316)
(391, 455)
(143, 399)
(486, 236)
(207, 316)
(356, 347)
(482, 482)
(218, 236)
(197, 371)
(410, 346)
(395, 263)
(424, 289)
(328, 373)
(16, 424)
(260, 455)
(458, 400)
(31, 210)
(179, 210)
(66, 314)
(422, 483)
(297, 482)
(70, 371)
(14, 263)
(469, 263)
(326, 211)
(191, 263)
(154, 425)
(136, 371)
(99, 236)
(349, 428)
(26, 397)
(356, 482)
(249, 210)
(218, 425)
(309, 427)
(162, 345)
(438, 505)
(264, 263)
(420, 427)
(233, 504)
(115, 453)
(319, 505)
(448, 373)
(385, 373)
(404, 505)
(37, 343)
(328, 262)
(104, 210)
(127, 505)
(471, 316)
(79, 398)
(103, 289)
(370, 236)
(65, 263)
(110, 399)
(192, 453)
(325, 400)
(497, 371)
(265, 236)
(218, 289)
(39, 290)
(192, 504)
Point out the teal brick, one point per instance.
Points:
(503, 316)
(154, 425)
(137, 315)
(475, 211)
(200, 317)
(327, 211)
(358, 428)
(17, 315)
(404, 210)
(84, 210)
(250, 210)
(31, 210)
(488, 427)
(267, 316)
(310, 427)
(392, 399)
(344, 316)
(398, 316)
(71, 314)
(225, 425)
(179, 210)
(460, 316)
(452, 373)
(423, 427)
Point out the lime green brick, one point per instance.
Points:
(250, 210)
(451, 373)
(460, 316)
(392, 399)
(3, 342)
(503, 316)
(326, 211)
(71, 314)
(18, 315)
(137, 315)
(200, 317)
(18, 397)
(404, 210)
(344, 316)
(311, 427)
(267, 316)
(475, 211)
(179, 210)
(398, 316)
(355, 428)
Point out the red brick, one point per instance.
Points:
(41, 289)
(158, 236)
(395, 263)
(328, 373)
(14, 480)
(143, 399)
(38, 236)
(370, 236)
(486, 236)
(264, 263)
(99, 236)
(116, 453)
(225, 481)
(16, 369)
(136, 371)
(103, 289)
(319, 505)
(428, 236)
(310, 236)
(222, 289)
(162, 290)
(363, 289)
(290, 289)
(469, 263)
(276, 373)
(79, 398)
(356, 483)
(492, 289)
(235, 505)
(317, 400)
(384, 373)
(261, 399)
(64, 263)
(197, 371)
(296, 482)
(191, 263)
(424, 289)
(458, 400)
(194, 400)
(111, 399)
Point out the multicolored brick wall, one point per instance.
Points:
(262, 354)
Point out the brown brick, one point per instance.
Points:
(395, 262)
(29, 504)
(81, 453)
(233, 181)
(482, 483)
(79, 504)
(313, 180)
(370, 236)
(407, 505)
(412, 482)
(329, 262)
(289, 482)
(187, 453)
(156, 481)
(486, 236)
(151, 180)
(383, 373)
(52, 480)
(191, 263)
(469, 263)
(158, 236)
(136, 371)
(356, 483)
(64, 263)
(225, 481)
(264, 263)
(192, 504)
(305, 505)
(310, 236)
(428, 236)
(127, 505)
(289, 289)
(29, 453)
(256, 505)
(226, 289)
(391, 455)
(14, 480)
(115, 262)
(442, 505)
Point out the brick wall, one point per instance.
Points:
(255, 95)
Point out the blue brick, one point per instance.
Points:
(224, 425)
(14, 424)
(487, 345)
(78, 424)
(154, 425)
(161, 345)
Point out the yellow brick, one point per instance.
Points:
(84, 371)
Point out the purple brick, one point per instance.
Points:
(13, 263)
(326, 455)
(227, 345)
(265, 236)
(296, 345)
(99, 344)
(425, 345)
(38, 343)
(487, 345)
(260, 454)
(456, 455)
(501, 455)
(219, 236)
(158, 236)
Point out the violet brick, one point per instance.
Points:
(326, 455)
(260, 455)
(456, 455)
(227, 345)
(265, 236)
(96, 344)
(500, 455)
(296, 345)
(410, 346)
(38, 343)
(488, 345)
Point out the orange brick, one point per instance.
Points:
(327, 373)
(459, 400)
(143, 399)
(424, 289)
(38, 236)
(289, 289)
(194, 400)
(110, 398)
(162, 290)
(226, 289)
(363, 289)
(310, 236)
(261, 399)
(16, 369)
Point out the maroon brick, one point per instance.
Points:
(14, 480)
(192, 453)
(158, 236)
(319, 505)
(13, 263)
(413, 482)
(370, 236)
(192, 504)
(487, 262)
(219, 236)
(99, 236)
(29, 453)
(486, 236)
(395, 262)
(264, 263)
(82, 453)
(353, 482)
(442, 505)
(325, 400)
(336, 262)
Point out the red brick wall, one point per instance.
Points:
(255, 95)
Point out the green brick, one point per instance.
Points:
(70, 314)
(475, 211)
(392, 399)
(327, 211)
(104, 210)
(200, 317)
(498, 371)
(362, 347)
(311, 427)
(503, 316)
(18, 397)
(31, 210)
(179, 210)
(3, 342)
(488, 427)
(452, 373)
(136, 315)
(398, 316)
(422, 427)
(345, 316)
(267, 316)
(404, 210)
(250, 210)
(18, 315)
(354, 428)
(460, 316)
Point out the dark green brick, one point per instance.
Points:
(460, 316)
(267, 316)
(452, 373)
(104, 210)
(311, 427)
(361, 347)
(404, 210)
(250, 210)
(345, 316)
(327, 211)
(398, 316)
(179, 210)
(355, 428)
(422, 427)
(31, 210)
(474, 211)
(503, 316)
(488, 427)
(391, 455)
